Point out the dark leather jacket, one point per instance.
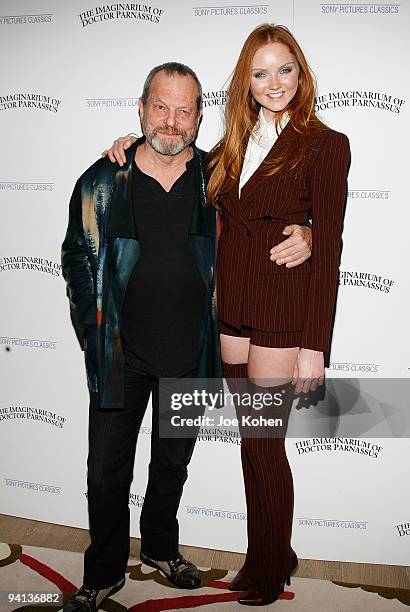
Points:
(97, 267)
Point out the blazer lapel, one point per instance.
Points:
(287, 134)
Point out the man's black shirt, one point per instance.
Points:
(165, 297)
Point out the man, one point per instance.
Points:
(139, 261)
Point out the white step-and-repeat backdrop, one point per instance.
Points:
(71, 76)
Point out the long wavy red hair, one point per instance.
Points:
(241, 113)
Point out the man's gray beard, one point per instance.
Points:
(169, 146)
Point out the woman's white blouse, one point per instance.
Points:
(262, 140)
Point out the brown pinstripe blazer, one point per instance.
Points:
(252, 289)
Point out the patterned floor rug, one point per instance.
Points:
(31, 577)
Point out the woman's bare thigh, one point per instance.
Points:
(271, 366)
(234, 349)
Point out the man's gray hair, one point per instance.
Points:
(172, 68)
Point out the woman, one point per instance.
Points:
(276, 165)
(276, 322)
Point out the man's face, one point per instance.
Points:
(169, 118)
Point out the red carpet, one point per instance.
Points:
(33, 571)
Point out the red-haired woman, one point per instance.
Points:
(276, 164)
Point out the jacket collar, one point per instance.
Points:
(120, 222)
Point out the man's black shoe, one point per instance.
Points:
(179, 571)
(89, 600)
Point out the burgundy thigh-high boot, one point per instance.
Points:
(269, 498)
(270, 559)
(235, 374)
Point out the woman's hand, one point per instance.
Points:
(117, 152)
(309, 371)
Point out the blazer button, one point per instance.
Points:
(248, 232)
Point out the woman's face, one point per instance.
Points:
(274, 77)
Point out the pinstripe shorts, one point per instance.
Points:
(260, 337)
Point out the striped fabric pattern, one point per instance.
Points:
(252, 290)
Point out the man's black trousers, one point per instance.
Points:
(112, 443)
